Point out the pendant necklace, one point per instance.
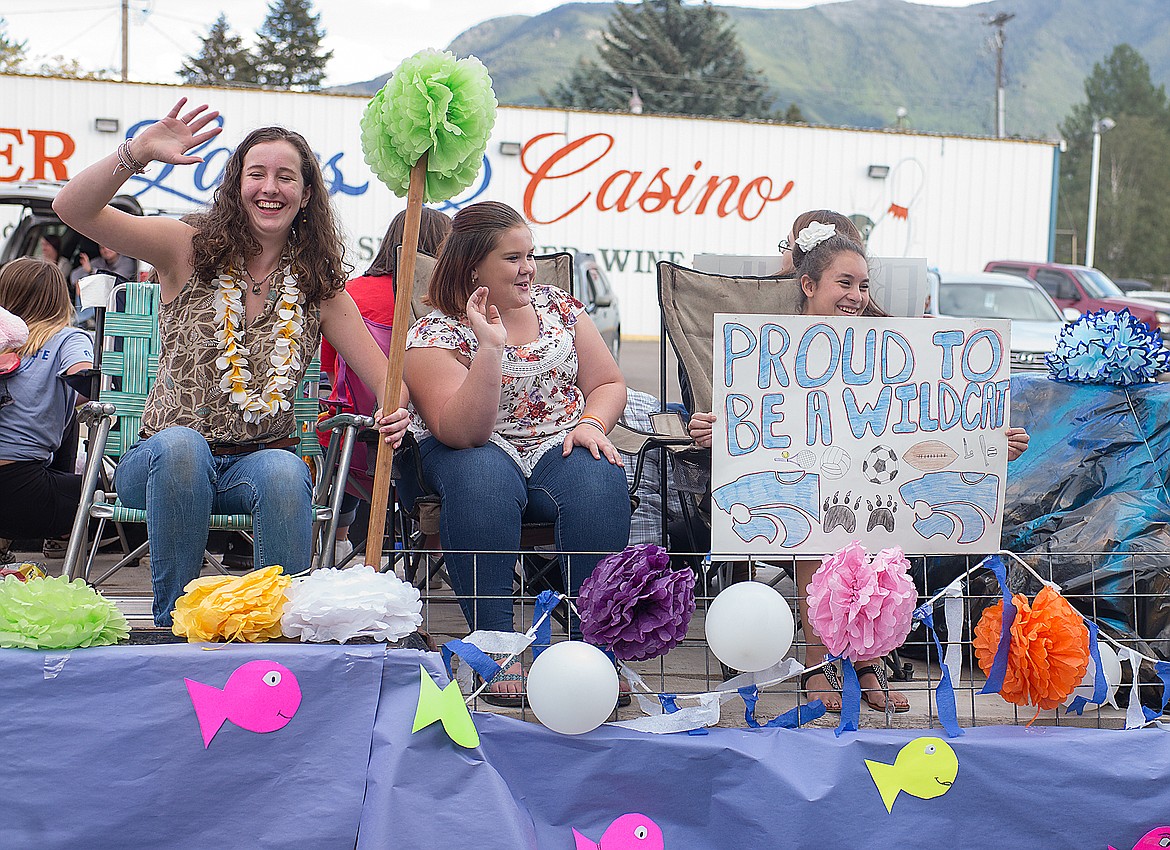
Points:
(257, 285)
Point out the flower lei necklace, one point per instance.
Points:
(233, 359)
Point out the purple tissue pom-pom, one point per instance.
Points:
(635, 605)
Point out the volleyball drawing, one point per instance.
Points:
(834, 462)
(880, 465)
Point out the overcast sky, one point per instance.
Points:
(368, 37)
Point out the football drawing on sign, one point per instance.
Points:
(840, 514)
(930, 455)
(772, 505)
(957, 505)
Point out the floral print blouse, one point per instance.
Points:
(540, 401)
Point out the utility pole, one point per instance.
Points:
(998, 40)
(125, 40)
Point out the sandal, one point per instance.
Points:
(878, 671)
(503, 699)
(830, 674)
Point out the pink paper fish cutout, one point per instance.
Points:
(260, 696)
(629, 832)
(1156, 838)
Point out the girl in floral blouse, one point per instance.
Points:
(513, 392)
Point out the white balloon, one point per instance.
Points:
(1110, 665)
(749, 626)
(572, 687)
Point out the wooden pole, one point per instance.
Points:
(403, 286)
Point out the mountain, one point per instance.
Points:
(854, 63)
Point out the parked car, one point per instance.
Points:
(27, 210)
(1084, 289)
(1133, 285)
(1036, 320)
(1154, 298)
(593, 290)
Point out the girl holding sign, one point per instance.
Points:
(833, 273)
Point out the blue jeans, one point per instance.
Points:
(175, 477)
(485, 497)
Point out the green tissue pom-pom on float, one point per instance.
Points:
(437, 105)
(55, 613)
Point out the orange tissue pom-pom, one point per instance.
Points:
(1048, 653)
(244, 608)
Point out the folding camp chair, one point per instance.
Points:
(689, 300)
(422, 536)
(129, 364)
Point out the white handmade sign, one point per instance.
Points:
(887, 431)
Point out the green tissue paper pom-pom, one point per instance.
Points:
(55, 613)
(434, 104)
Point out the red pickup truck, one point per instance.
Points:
(1084, 289)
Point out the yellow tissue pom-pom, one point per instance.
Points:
(240, 608)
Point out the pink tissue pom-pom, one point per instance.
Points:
(862, 608)
(13, 331)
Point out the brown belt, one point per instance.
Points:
(220, 449)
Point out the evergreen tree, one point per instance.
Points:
(289, 53)
(12, 53)
(680, 59)
(793, 115)
(1134, 183)
(223, 59)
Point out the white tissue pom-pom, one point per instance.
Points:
(339, 605)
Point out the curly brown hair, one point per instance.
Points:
(223, 239)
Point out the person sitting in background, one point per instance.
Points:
(108, 260)
(51, 253)
(36, 404)
(373, 293)
(513, 392)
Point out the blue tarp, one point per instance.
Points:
(101, 749)
(1090, 495)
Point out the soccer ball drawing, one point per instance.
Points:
(880, 465)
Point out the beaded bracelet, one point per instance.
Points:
(595, 422)
(127, 161)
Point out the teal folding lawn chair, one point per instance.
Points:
(128, 360)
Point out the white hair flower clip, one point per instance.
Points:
(813, 235)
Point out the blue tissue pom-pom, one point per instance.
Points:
(1105, 347)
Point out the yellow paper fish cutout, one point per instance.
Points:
(447, 707)
(925, 768)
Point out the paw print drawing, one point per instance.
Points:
(839, 514)
(881, 512)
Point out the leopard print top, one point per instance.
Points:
(187, 391)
